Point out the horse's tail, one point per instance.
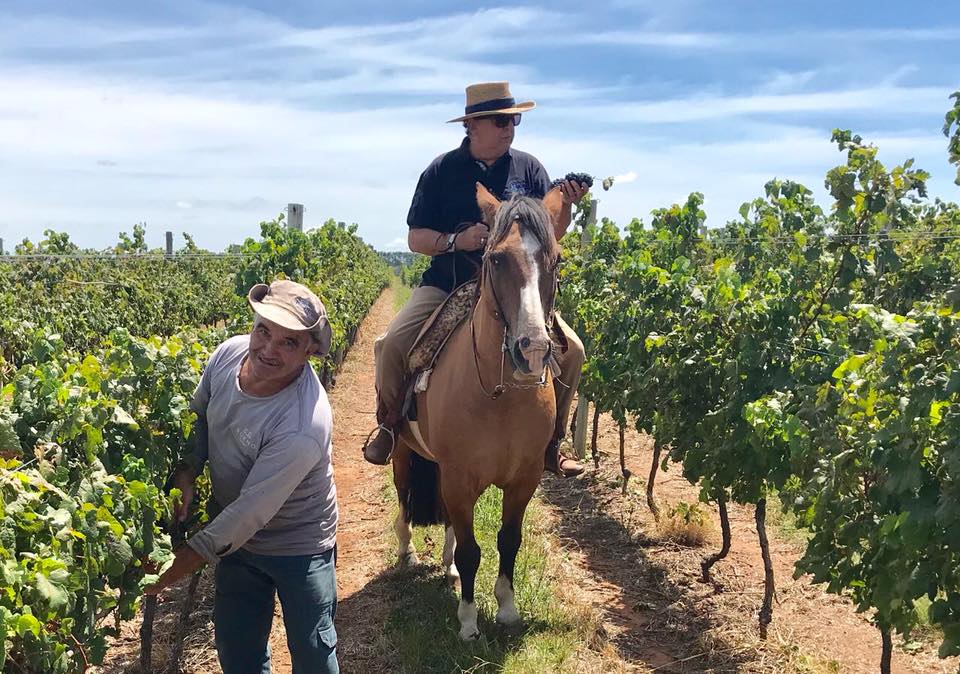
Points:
(424, 505)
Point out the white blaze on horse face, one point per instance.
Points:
(467, 613)
(531, 322)
(507, 613)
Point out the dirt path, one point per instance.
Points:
(361, 548)
(364, 510)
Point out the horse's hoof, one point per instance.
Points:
(509, 620)
(469, 634)
(408, 561)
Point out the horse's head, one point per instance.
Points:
(519, 270)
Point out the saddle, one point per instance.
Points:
(438, 328)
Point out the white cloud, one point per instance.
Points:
(890, 100)
(774, 41)
(653, 38)
(783, 82)
(220, 123)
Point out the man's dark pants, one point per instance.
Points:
(246, 586)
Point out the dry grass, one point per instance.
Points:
(199, 652)
(687, 524)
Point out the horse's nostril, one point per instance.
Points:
(524, 342)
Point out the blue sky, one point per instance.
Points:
(208, 117)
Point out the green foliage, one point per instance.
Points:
(345, 273)
(98, 434)
(96, 412)
(398, 258)
(84, 297)
(411, 274)
(951, 123)
(802, 352)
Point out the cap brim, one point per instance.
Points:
(518, 108)
(279, 316)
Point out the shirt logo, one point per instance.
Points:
(516, 187)
(244, 437)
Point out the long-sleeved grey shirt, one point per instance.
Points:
(270, 462)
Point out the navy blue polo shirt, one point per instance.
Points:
(447, 196)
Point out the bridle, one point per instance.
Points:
(499, 314)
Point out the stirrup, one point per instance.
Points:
(390, 432)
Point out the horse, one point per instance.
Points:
(477, 424)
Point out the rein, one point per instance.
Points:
(500, 315)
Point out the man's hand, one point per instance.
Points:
(183, 480)
(473, 237)
(572, 192)
(185, 562)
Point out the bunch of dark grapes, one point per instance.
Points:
(584, 178)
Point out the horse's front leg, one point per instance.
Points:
(460, 499)
(406, 553)
(515, 499)
(449, 549)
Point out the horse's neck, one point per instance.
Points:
(488, 331)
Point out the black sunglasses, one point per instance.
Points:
(503, 121)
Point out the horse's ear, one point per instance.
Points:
(488, 204)
(553, 202)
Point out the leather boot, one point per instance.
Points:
(561, 465)
(378, 450)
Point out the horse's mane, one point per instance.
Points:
(532, 217)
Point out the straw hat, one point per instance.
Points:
(491, 98)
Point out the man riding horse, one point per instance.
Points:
(446, 224)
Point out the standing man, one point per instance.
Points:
(446, 224)
(265, 425)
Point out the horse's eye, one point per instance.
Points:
(494, 260)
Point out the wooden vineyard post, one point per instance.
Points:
(295, 217)
(593, 438)
(580, 433)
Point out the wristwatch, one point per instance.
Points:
(451, 242)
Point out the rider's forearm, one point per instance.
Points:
(563, 221)
(427, 241)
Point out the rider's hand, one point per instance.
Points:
(572, 192)
(473, 237)
(184, 481)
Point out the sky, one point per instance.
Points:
(208, 117)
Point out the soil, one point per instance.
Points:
(655, 613)
(658, 613)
